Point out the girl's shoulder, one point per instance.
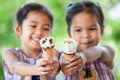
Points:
(10, 52)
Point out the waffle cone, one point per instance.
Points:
(42, 77)
(68, 56)
(48, 52)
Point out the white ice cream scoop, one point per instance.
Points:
(69, 46)
(47, 42)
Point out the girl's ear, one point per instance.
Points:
(69, 33)
(17, 29)
(102, 30)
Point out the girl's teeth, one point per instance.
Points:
(36, 39)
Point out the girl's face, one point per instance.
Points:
(34, 27)
(85, 30)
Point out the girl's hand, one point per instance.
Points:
(71, 66)
(56, 69)
(43, 66)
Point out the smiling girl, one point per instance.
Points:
(34, 21)
(85, 25)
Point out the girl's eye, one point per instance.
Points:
(93, 29)
(78, 30)
(46, 29)
(33, 26)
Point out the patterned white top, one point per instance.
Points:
(9, 76)
(103, 72)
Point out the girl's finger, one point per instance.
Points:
(42, 62)
(76, 68)
(44, 73)
(75, 63)
(74, 58)
(45, 69)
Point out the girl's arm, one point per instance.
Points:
(104, 53)
(16, 66)
(107, 54)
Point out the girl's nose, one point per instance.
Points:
(86, 34)
(39, 32)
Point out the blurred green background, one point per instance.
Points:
(111, 9)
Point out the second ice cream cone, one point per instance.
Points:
(68, 56)
(69, 48)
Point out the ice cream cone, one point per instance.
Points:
(48, 52)
(42, 77)
(68, 56)
(47, 45)
(69, 48)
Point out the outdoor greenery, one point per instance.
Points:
(8, 39)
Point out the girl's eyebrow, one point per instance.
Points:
(33, 21)
(77, 26)
(47, 25)
(92, 25)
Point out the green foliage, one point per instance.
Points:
(8, 10)
(116, 31)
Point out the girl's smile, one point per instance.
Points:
(35, 40)
(86, 43)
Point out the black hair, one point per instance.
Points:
(87, 6)
(25, 9)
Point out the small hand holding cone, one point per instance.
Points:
(47, 45)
